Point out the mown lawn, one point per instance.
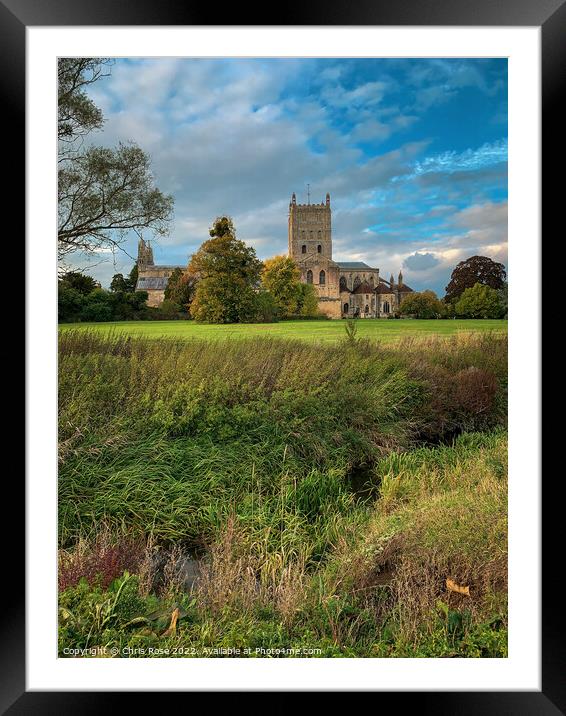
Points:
(328, 331)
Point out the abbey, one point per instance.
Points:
(152, 278)
(344, 288)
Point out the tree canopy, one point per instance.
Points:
(476, 269)
(228, 274)
(422, 305)
(103, 193)
(77, 113)
(181, 288)
(281, 277)
(480, 301)
(78, 281)
(307, 302)
(80, 298)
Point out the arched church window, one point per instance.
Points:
(319, 249)
(309, 276)
(322, 278)
(343, 284)
(386, 307)
(304, 249)
(357, 282)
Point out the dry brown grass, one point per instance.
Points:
(233, 576)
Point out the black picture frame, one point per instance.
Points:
(550, 16)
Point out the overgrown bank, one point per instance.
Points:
(246, 451)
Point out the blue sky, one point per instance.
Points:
(412, 151)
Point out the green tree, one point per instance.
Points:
(99, 306)
(79, 281)
(119, 283)
(70, 304)
(228, 275)
(502, 293)
(266, 307)
(476, 269)
(479, 302)
(102, 193)
(77, 113)
(133, 278)
(180, 288)
(307, 301)
(281, 277)
(129, 305)
(169, 309)
(422, 305)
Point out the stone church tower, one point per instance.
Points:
(310, 245)
(151, 277)
(310, 229)
(145, 254)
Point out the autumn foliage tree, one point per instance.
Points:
(476, 269)
(281, 277)
(181, 288)
(228, 274)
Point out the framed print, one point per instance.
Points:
(278, 370)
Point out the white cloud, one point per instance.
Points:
(227, 137)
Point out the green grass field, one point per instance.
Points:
(327, 331)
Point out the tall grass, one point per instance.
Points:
(247, 449)
(169, 438)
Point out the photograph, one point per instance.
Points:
(282, 360)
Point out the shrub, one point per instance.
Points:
(168, 310)
(99, 561)
(97, 311)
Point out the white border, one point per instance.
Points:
(521, 671)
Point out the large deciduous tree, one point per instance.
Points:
(103, 193)
(181, 288)
(422, 305)
(479, 301)
(228, 274)
(77, 113)
(476, 269)
(281, 277)
(307, 302)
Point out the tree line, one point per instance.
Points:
(477, 289)
(224, 282)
